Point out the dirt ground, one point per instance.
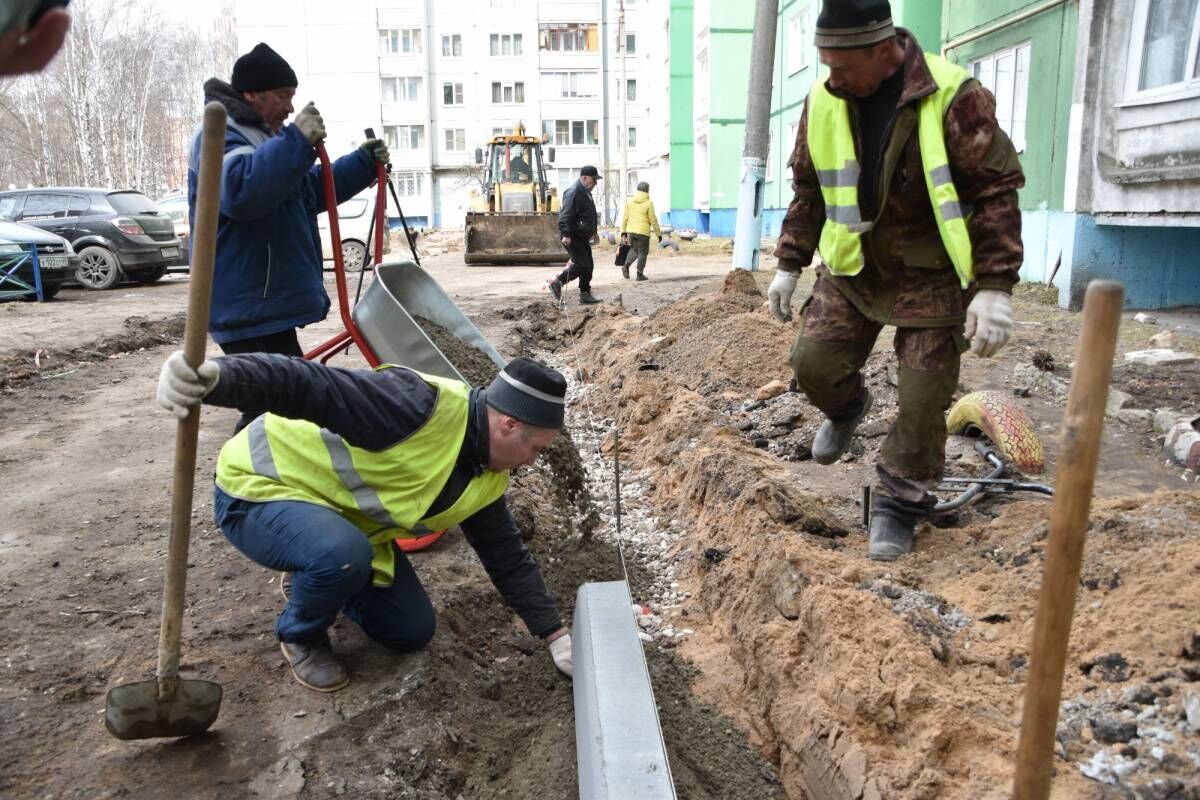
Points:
(785, 664)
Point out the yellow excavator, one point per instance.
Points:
(514, 218)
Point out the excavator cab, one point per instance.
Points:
(514, 216)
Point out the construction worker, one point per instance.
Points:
(518, 167)
(577, 224)
(268, 273)
(637, 221)
(907, 186)
(339, 463)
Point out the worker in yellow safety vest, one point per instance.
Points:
(906, 186)
(337, 464)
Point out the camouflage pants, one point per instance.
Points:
(827, 358)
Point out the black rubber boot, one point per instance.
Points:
(555, 287)
(891, 537)
(834, 436)
(588, 299)
(625, 271)
(641, 276)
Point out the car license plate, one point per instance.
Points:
(170, 252)
(53, 262)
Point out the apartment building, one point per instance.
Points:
(437, 80)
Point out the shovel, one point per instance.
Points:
(168, 705)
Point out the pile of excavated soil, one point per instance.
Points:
(860, 679)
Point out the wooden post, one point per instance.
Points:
(1079, 452)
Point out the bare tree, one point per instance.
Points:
(118, 107)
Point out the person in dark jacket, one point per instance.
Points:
(864, 184)
(338, 464)
(267, 278)
(577, 222)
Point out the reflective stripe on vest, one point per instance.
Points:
(831, 146)
(382, 492)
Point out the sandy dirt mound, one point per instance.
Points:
(899, 681)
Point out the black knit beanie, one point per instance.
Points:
(854, 23)
(529, 391)
(261, 70)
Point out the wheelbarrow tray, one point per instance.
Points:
(386, 317)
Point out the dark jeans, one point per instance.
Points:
(285, 343)
(639, 251)
(330, 562)
(581, 264)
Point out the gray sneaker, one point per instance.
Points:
(834, 436)
(314, 665)
(890, 537)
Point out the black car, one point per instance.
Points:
(56, 260)
(117, 233)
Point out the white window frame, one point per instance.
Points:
(498, 41)
(409, 183)
(408, 88)
(508, 92)
(570, 84)
(564, 132)
(1016, 134)
(631, 83)
(452, 42)
(631, 140)
(1188, 87)
(630, 38)
(393, 41)
(455, 140)
(456, 93)
(797, 42)
(404, 137)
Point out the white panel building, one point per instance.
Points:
(439, 79)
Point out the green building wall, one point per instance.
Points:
(683, 148)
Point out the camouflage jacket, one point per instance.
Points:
(908, 279)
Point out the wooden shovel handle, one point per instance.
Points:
(195, 337)
(1079, 452)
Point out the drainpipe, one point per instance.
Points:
(748, 232)
(434, 203)
(604, 122)
(623, 93)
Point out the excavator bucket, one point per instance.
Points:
(513, 238)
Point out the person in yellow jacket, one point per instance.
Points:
(637, 222)
(337, 464)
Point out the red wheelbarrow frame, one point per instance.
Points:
(351, 334)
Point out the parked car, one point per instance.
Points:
(354, 223)
(175, 206)
(56, 260)
(117, 233)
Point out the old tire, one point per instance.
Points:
(149, 276)
(98, 268)
(354, 255)
(1009, 428)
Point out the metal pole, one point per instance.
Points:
(758, 119)
(623, 93)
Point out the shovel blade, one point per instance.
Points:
(135, 711)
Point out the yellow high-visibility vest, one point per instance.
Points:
(382, 492)
(831, 145)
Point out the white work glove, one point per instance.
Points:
(560, 651)
(310, 124)
(989, 322)
(783, 286)
(181, 388)
(377, 149)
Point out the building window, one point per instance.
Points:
(400, 90)
(409, 184)
(797, 42)
(452, 45)
(404, 137)
(630, 44)
(631, 180)
(569, 84)
(508, 92)
(456, 140)
(400, 41)
(567, 36)
(632, 136)
(1006, 74)
(572, 131)
(452, 94)
(1163, 52)
(631, 89)
(506, 131)
(506, 44)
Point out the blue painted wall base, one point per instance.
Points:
(723, 221)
